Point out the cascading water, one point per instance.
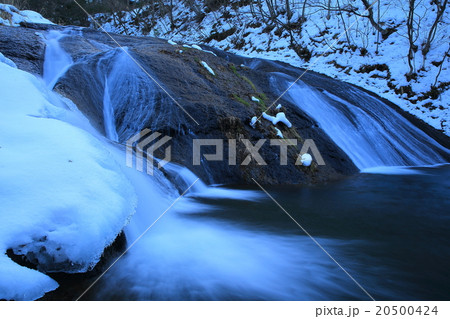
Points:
(183, 178)
(56, 61)
(131, 99)
(108, 115)
(369, 131)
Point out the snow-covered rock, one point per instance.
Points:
(254, 99)
(253, 121)
(280, 117)
(11, 16)
(62, 198)
(195, 46)
(306, 159)
(171, 42)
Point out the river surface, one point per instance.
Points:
(389, 232)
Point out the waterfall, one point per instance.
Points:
(108, 115)
(184, 178)
(370, 132)
(56, 61)
(131, 100)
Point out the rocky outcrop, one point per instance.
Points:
(175, 94)
(24, 46)
(204, 105)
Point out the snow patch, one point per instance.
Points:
(11, 16)
(280, 117)
(306, 159)
(206, 66)
(63, 198)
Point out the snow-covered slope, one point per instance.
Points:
(317, 40)
(62, 198)
(11, 16)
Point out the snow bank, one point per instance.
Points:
(11, 16)
(62, 198)
(7, 61)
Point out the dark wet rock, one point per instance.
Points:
(220, 104)
(23, 46)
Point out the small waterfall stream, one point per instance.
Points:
(370, 132)
(57, 61)
(108, 115)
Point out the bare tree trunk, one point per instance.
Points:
(343, 22)
(329, 10)
(270, 6)
(303, 10)
(288, 10)
(195, 8)
(412, 46)
(446, 55)
(369, 8)
(378, 22)
(440, 6)
(172, 23)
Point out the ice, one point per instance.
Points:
(62, 198)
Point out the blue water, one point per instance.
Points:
(390, 232)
